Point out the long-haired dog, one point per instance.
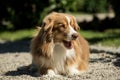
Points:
(58, 47)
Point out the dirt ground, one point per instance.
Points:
(104, 65)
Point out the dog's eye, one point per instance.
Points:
(61, 27)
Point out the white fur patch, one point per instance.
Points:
(59, 57)
(71, 30)
(51, 73)
(70, 53)
(74, 71)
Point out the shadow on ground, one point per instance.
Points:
(16, 46)
(115, 59)
(117, 62)
(23, 71)
(17, 73)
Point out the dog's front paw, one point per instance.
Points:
(74, 71)
(51, 73)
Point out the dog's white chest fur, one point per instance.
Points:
(59, 56)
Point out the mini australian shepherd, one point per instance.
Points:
(58, 48)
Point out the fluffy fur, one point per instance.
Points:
(58, 48)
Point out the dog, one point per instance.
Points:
(58, 48)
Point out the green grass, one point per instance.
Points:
(106, 38)
(79, 14)
(16, 35)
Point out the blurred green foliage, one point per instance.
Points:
(21, 14)
(94, 6)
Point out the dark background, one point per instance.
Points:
(22, 14)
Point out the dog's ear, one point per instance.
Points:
(43, 42)
(46, 30)
(75, 24)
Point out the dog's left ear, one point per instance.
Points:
(46, 30)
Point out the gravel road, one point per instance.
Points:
(104, 65)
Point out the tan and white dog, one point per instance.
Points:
(58, 47)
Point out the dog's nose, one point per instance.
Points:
(74, 36)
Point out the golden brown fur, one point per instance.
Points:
(48, 47)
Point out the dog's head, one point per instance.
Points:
(60, 28)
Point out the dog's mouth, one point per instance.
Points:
(68, 44)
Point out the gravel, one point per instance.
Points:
(104, 65)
